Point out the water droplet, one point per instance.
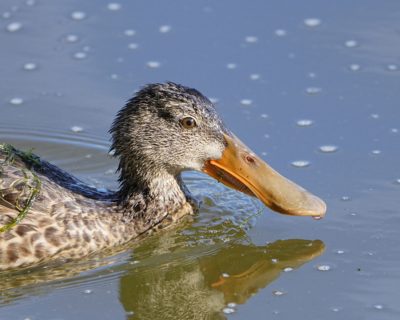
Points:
(312, 22)
(114, 6)
(280, 32)
(165, 29)
(351, 43)
(76, 129)
(133, 46)
(392, 67)
(376, 152)
(328, 148)
(378, 306)
(323, 267)
(16, 101)
(313, 90)
(278, 293)
(153, 64)
(255, 76)
(80, 55)
(304, 122)
(246, 102)
(78, 15)
(354, 67)
(87, 291)
(300, 163)
(231, 65)
(129, 32)
(228, 310)
(251, 39)
(29, 66)
(14, 26)
(71, 38)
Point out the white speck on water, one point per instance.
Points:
(313, 90)
(392, 67)
(251, 39)
(312, 75)
(273, 260)
(30, 2)
(264, 116)
(304, 122)
(16, 101)
(378, 306)
(80, 55)
(374, 116)
(71, 38)
(351, 43)
(89, 156)
(394, 130)
(246, 102)
(87, 291)
(267, 136)
(14, 26)
(345, 198)
(133, 46)
(323, 267)
(300, 163)
(114, 6)
(153, 64)
(76, 129)
(255, 76)
(353, 214)
(312, 22)
(336, 309)
(225, 275)
(288, 269)
(278, 293)
(328, 148)
(231, 66)
(280, 32)
(165, 28)
(398, 181)
(114, 76)
(228, 310)
(78, 15)
(264, 153)
(86, 48)
(354, 67)
(231, 305)
(129, 32)
(339, 251)
(376, 152)
(29, 66)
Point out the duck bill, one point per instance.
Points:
(239, 168)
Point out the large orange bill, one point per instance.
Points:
(239, 168)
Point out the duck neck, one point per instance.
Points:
(152, 197)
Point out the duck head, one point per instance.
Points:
(168, 128)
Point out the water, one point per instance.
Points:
(334, 65)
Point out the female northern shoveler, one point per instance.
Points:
(46, 213)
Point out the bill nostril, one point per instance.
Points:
(250, 159)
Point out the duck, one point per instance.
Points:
(162, 131)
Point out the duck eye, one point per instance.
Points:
(188, 122)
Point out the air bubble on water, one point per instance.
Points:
(376, 152)
(304, 122)
(76, 129)
(71, 38)
(165, 28)
(312, 22)
(29, 66)
(280, 32)
(231, 66)
(328, 148)
(153, 64)
(133, 46)
(255, 76)
(246, 102)
(129, 32)
(300, 163)
(278, 293)
(251, 39)
(288, 269)
(351, 43)
(78, 15)
(354, 67)
(392, 67)
(228, 310)
(323, 267)
(313, 90)
(114, 6)
(80, 55)
(16, 101)
(14, 26)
